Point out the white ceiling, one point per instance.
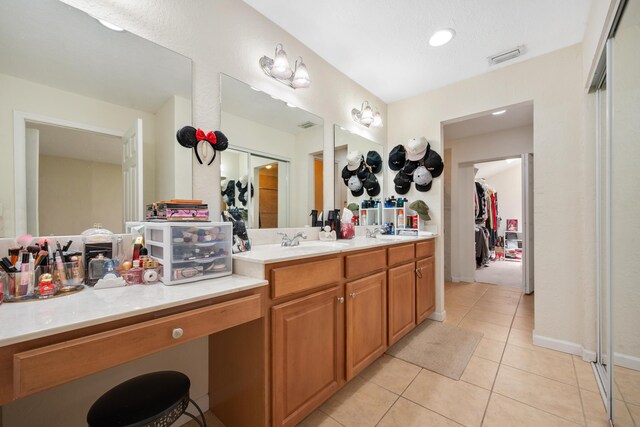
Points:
(383, 45)
(489, 169)
(515, 116)
(48, 42)
(78, 144)
(240, 100)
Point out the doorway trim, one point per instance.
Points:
(20, 119)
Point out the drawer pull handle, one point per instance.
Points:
(419, 272)
(341, 300)
(177, 333)
(352, 295)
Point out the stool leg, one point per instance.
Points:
(204, 422)
(194, 418)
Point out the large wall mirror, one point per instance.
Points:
(358, 156)
(272, 174)
(88, 117)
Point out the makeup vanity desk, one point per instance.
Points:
(100, 329)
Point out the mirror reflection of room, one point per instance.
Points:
(94, 137)
(274, 141)
(363, 200)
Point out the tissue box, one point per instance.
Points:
(347, 230)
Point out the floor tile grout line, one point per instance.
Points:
(535, 407)
(493, 384)
(328, 415)
(432, 410)
(575, 371)
(387, 411)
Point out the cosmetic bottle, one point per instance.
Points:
(135, 276)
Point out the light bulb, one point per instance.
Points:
(366, 117)
(377, 121)
(301, 76)
(281, 68)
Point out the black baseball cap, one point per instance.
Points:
(397, 157)
(374, 160)
(433, 162)
(402, 183)
(424, 188)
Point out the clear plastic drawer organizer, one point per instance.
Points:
(190, 251)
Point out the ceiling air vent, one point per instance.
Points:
(306, 125)
(506, 55)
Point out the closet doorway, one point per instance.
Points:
(501, 136)
(498, 216)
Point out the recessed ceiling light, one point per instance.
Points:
(442, 37)
(269, 166)
(497, 113)
(290, 105)
(109, 25)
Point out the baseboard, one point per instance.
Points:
(203, 403)
(439, 316)
(456, 279)
(564, 346)
(627, 361)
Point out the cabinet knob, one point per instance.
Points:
(352, 294)
(419, 272)
(177, 333)
(341, 300)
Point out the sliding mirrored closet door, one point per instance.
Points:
(618, 208)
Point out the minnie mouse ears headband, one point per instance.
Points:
(189, 137)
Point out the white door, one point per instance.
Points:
(527, 216)
(32, 175)
(132, 173)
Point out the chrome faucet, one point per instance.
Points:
(293, 241)
(372, 234)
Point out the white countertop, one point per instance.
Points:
(270, 253)
(23, 321)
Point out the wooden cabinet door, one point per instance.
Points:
(307, 334)
(402, 301)
(366, 317)
(425, 288)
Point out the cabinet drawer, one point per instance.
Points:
(365, 262)
(425, 249)
(303, 277)
(45, 367)
(400, 254)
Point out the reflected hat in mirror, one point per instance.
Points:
(370, 182)
(353, 207)
(402, 183)
(354, 183)
(421, 209)
(346, 173)
(434, 163)
(397, 157)
(244, 180)
(374, 161)
(354, 160)
(375, 190)
(417, 148)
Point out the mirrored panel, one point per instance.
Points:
(88, 117)
(358, 176)
(276, 151)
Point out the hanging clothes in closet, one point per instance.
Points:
(487, 221)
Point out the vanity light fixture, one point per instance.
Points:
(279, 69)
(497, 113)
(367, 116)
(441, 37)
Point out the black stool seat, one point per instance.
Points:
(158, 398)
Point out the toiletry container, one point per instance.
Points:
(190, 251)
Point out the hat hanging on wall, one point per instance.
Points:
(359, 173)
(421, 209)
(243, 186)
(190, 137)
(229, 193)
(416, 162)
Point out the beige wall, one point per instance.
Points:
(75, 194)
(552, 82)
(24, 96)
(458, 222)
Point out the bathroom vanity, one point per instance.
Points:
(329, 313)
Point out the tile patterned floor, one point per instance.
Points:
(508, 381)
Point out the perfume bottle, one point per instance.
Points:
(135, 276)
